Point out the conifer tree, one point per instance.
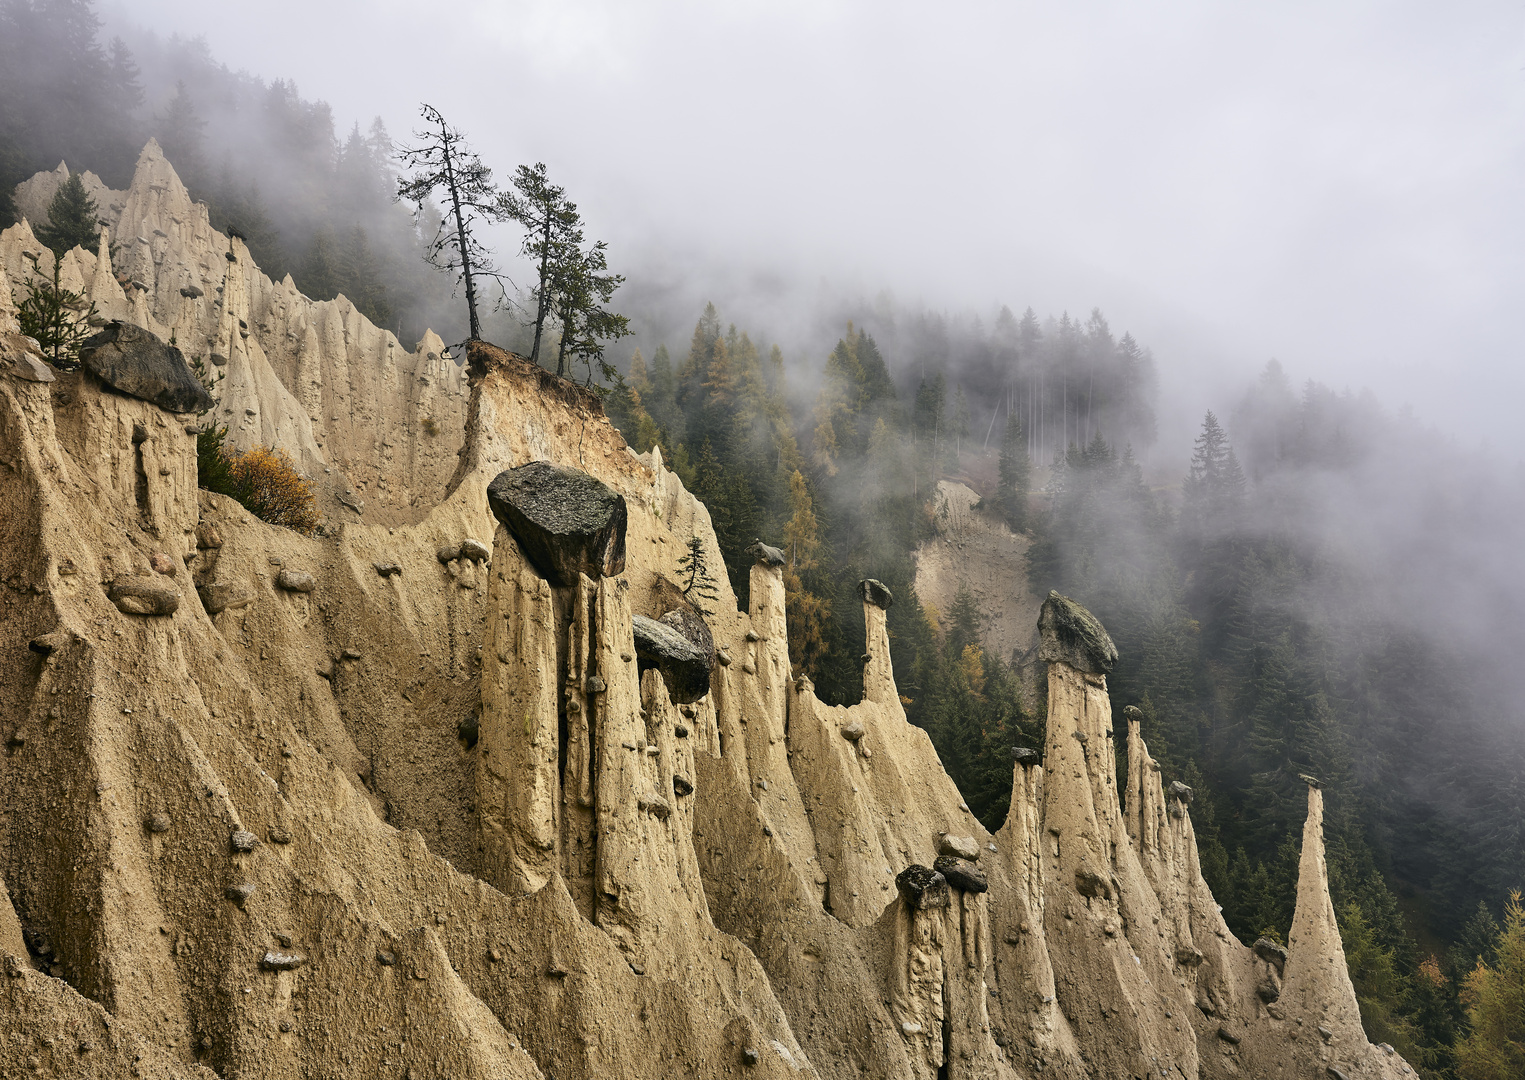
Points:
(442, 161)
(181, 135)
(1495, 998)
(71, 219)
(58, 318)
(552, 236)
(1015, 471)
(807, 612)
(698, 582)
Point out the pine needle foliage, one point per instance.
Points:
(1495, 998)
(698, 581)
(58, 318)
(72, 218)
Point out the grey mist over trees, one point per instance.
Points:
(1301, 578)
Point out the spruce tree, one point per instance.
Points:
(72, 219)
(1015, 471)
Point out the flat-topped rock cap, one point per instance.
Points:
(876, 593)
(766, 554)
(1072, 635)
(922, 887)
(134, 362)
(566, 522)
(684, 665)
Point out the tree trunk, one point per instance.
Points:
(460, 233)
(545, 262)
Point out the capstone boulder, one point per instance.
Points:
(1072, 635)
(766, 554)
(876, 593)
(961, 874)
(133, 361)
(922, 887)
(566, 522)
(684, 666)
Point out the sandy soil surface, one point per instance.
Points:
(975, 551)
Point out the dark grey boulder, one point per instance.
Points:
(468, 731)
(961, 874)
(134, 362)
(1072, 635)
(765, 554)
(566, 522)
(922, 887)
(681, 786)
(684, 666)
(876, 593)
(694, 630)
(1024, 757)
(1180, 791)
(190, 292)
(1268, 991)
(1133, 714)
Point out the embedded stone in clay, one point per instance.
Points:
(143, 596)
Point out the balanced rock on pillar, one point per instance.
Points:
(685, 667)
(1072, 635)
(566, 522)
(133, 361)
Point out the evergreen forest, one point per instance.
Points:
(1325, 588)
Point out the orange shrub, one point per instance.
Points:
(270, 488)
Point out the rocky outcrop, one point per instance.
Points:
(133, 361)
(567, 523)
(330, 821)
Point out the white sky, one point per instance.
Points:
(1338, 185)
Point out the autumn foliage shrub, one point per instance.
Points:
(264, 480)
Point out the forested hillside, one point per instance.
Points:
(1330, 590)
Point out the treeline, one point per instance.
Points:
(267, 163)
(1290, 620)
(839, 467)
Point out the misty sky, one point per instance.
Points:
(1336, 185)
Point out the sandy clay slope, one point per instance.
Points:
(248, 836)
(974, 551)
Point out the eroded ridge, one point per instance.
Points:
(411, 798)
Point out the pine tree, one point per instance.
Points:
(807, 612)
(551, 236)
(698, 582)
(181, 135)
(1015, 470)
(443, 161)
(58, 318)
(71, 219)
